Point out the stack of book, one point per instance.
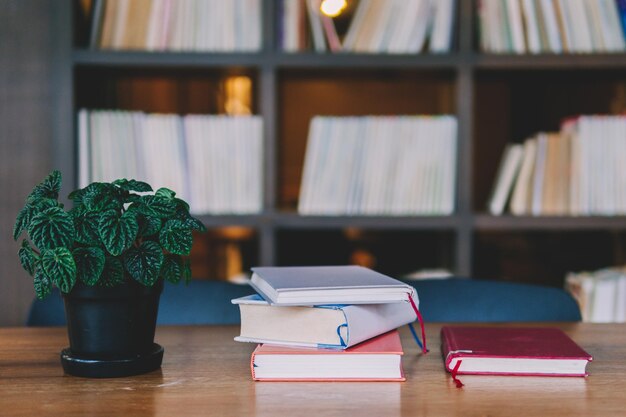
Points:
(552, 26)
(159, 25)
(577, 171)
(380, 165)
(214, 162)
(601, 294)
(325, 323)
(377, 26)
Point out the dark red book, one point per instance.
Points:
(511, 351)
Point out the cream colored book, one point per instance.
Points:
(520, 201)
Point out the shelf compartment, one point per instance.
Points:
(546, 256)
(510, 106)
(157, 90)
(303, 94)
(392, 252)
(224, 253)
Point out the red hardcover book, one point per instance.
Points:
(377, 359)
(511, 351)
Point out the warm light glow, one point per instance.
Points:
(237, 95)
(333, 8)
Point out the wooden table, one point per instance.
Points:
(206, 373)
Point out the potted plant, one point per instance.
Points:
(108, 256)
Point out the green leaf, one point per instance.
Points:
(165, 193)
(27, 213)
(116, 232)
(113, 273)
(100, 196)
(143, 263)
(52, 228)
(28, 258)
(89, 264)
(58, 264)
(133, 185)
(148, 225)
(43, 285)
(172, 268)
(152, 205)
(48, 188)
(86, 225)
(23, 220)
(77, 196)
(176, 237)
(190, 221)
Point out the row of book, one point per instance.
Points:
(552, 26)
(577, 171)
(213, 162)
(601, 294)
(379, 165)
(376, 26)
(177, 25)
(325, 323)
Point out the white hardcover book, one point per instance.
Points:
(356, 25)
(532, 26)
(539, 175)
(592, 9)
(581, 25)
(382, 28)
(83, 148)
(450, 164)
(311, 155)
(317, 285)
(505, 178)
(441, 37)
(420, 28)
(613, 36)
(552, 26)
(319, 41)
(404, 15)
(327, 326)
(516, 26)
(521, 193)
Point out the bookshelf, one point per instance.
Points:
(489, 94)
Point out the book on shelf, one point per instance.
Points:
(214, 161)
(316, 285)
(576, 171)
(375, 26)
(505, 178)
(379, 165)
(511, 351)
(601, 295)
(550, 26)
(166, 25)
(378, 359)
(329, 326)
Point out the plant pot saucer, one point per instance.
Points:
(110, 368)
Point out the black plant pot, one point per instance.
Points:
(111, 330)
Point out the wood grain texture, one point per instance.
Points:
(206, 373)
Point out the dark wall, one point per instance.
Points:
(29, 107)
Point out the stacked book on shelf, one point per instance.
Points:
(601, 294)
(213, 162)
(325, 323)
(578, 171)
(552, 26)
(168, 25)
(380, 165)
(376, 26)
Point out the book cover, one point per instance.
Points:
(511, 351)
(378, 359)
(314, 285)
(330, 326)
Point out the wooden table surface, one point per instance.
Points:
(205, 372)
